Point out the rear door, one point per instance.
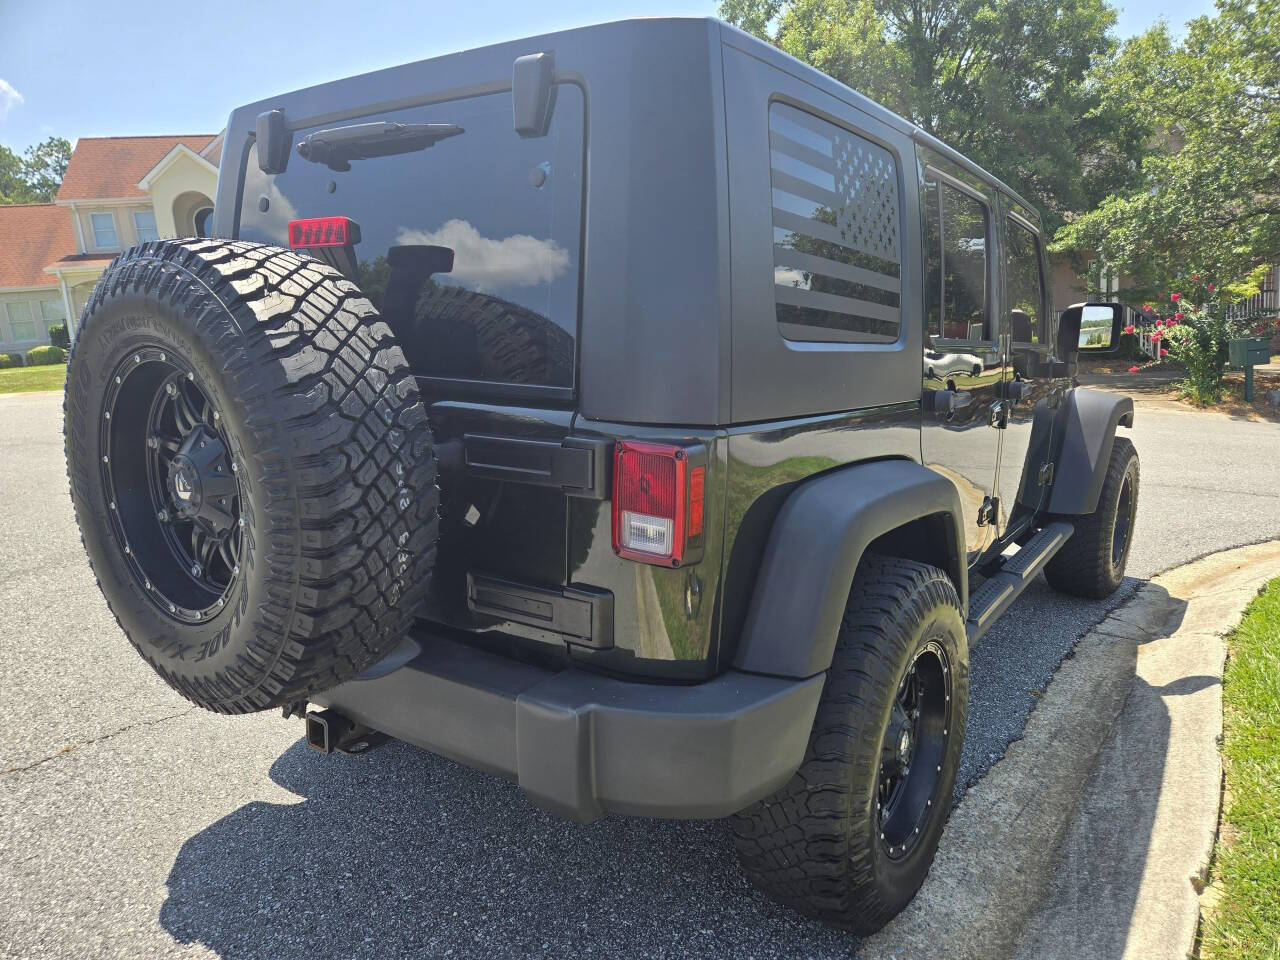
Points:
(961, 366)
(470, 248)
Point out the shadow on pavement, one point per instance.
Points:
(401, 853)
(1099, 868)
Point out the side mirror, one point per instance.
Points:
(1091, 328)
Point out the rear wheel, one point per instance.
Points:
(251, 470)
(1092, 562)
(851, 837)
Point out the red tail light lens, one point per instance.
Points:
(657, 502)
(323, 232)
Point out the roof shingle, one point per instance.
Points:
(110, 167)
(33, 235)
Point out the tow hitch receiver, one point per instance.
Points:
(329, 730)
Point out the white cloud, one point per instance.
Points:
(9, 98)
(484, 263)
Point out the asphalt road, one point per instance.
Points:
(134, 825)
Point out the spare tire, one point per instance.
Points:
(251, 469)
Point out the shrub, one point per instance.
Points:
(58, 336)
(1198, 338)
(46, 355)
(10, 360)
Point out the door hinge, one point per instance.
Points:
(1054, 398)
(1044, 477)
(989, 510)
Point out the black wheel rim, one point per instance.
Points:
(1124, 523)
(913, 751)
(173, 491)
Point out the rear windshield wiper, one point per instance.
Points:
(337, 146)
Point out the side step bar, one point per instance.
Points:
(994, 597)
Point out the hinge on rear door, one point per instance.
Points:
(989, 510)
(1054, 398)
(1044, 478)
(577, 465)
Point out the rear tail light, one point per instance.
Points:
(657, 502)
(323, 232)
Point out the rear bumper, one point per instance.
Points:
(582, 745)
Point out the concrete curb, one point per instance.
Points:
(1031, 865)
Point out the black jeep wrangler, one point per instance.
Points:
(633, 412)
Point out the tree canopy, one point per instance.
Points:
(1207, 201)
(1003, 81)
(36, 175)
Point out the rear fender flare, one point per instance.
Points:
(817, 541)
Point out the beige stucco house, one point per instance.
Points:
(117, 191)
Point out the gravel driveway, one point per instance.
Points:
(133, 825)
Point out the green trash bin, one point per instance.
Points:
(1244, 353)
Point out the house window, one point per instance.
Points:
(104, 231)
(51, 312)
(22, 326)
(144, 222)
(836, 219)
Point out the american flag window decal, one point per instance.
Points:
(836, 231)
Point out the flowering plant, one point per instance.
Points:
(1197, 336)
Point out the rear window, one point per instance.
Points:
(836, 227)
(506, 210)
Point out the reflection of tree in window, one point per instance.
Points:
(1023, 284)
(955, 236)
(821, 283)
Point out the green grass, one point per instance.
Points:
(1245, 921)
(29, 379)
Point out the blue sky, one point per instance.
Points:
(117, 67)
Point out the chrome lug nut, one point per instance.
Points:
(195, 569)
(170, 388)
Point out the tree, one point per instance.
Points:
(13, 185)
(1003, 81)
(1207, 201)
(36, 176)
(44, 166)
